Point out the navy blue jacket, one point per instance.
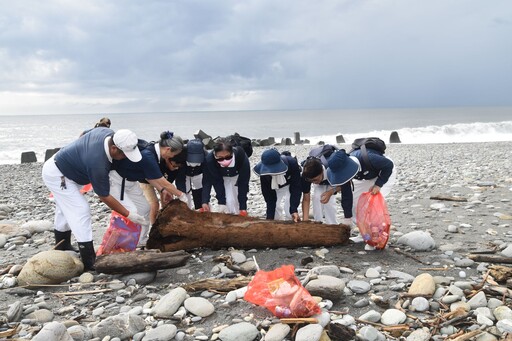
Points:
(292, 179)
(214, 173)
(382, 167)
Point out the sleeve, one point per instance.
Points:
(384, 167)
(295, 186)
(244, 175)
(347, 199)
(150, 165)
(212, 178)
(305, 185)
(181, 176)
(269, 195)
(100, 180)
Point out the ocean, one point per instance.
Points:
(423, 125)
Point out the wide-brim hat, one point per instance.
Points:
(341, 168)
(271, 163)
(195, 151)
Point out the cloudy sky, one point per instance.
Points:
(66, 56)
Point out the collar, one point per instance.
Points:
(107, 149)
(325, 173)
(157, 150)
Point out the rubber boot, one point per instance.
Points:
(88, 255)
(66, 241)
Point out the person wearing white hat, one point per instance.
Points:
(280, 184)
(86, 160)
(125, 177)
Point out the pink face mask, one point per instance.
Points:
(224, 163)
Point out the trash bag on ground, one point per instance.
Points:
(281, 292)
(122, 235)
(373, 219)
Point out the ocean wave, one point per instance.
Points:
(450, 133)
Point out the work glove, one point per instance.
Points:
(348, 221)
(222, 209)
(183, 198)
(243, 213)
(137, 218)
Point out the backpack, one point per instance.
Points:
(323, 153)
(244, 142)
(373, 143)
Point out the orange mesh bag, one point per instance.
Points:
(281, 292)
(122, 235)
(373, 219)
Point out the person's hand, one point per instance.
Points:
(183, 198)
(375, 189)
(136, 218)
(204, 208)
(243, 213)
(222, 209)
(295, 217)
(166, 197)
(325, 197)
(348, 222)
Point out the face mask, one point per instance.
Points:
(224, 163)
(193, 164)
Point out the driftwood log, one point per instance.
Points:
(139, 261)
(490, 258)
(179, 228)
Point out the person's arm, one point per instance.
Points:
(383, 166)
(347, 198)
(162, 184)
(115, 205)
(269, 195)
(306, 203)
(295, 189)
(244, 176)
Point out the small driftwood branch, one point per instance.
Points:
(448, 198)
(218, 285)
(86, 292)
(409, 256)
(490, 258)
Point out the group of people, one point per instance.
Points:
(135, 178)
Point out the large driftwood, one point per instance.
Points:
(179, 228)
(448, 198)
(139, 261)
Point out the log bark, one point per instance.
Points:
(139, 261)
(490, 258)
(179, 228)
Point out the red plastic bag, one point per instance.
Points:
(122, 235)
(373, 219)
(281, 292)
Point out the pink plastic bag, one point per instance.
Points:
(373, 219)
(281, 292)
(122, 235)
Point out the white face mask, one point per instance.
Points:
(193, 164)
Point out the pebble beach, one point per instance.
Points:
(422, 286)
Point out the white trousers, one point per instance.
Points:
(233, 207)
(72, 211)
(323, 210)
(133, 200)
(283, 203)
(361, 186)
(193, 183)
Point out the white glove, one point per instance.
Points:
(222, 209)
(183, 198)
(137, 218)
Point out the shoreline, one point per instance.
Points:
(478, 172)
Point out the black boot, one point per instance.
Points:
(87, 254)
(66, 241)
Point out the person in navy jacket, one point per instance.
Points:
(87, 160)
(125, 178)
(280, 184)
(191, 178)
(378, 176)
(228, 172)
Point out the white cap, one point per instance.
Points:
(126, 140)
